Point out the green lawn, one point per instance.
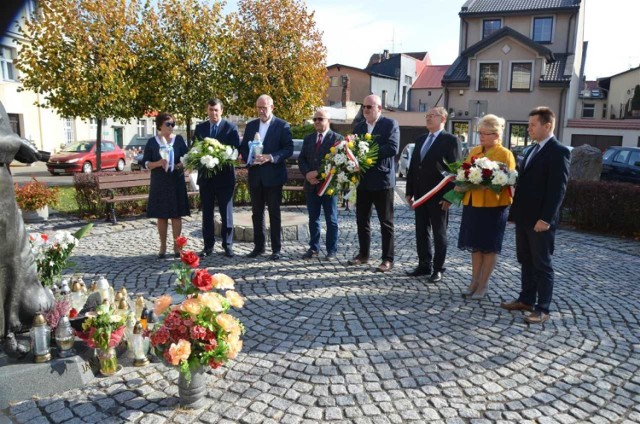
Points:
(67, 201)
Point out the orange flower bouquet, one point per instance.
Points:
(198, 331)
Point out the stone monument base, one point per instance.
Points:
(294, 226)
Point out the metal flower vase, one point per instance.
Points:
(108, 361)
(192, 392)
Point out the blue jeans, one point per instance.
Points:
(330, 205)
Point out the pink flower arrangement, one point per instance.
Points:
(198, 331)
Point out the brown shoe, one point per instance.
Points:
(385, 266)
(358, 260)
(516, 305)
(537, 317)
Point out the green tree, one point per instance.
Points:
(276, 50)
(78, 55)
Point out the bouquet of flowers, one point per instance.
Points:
(198, 331)
(209, 156)
(102, 329)
(479, 173)
(342, 168)
(52, 252)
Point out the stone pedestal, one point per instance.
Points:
(294, 226)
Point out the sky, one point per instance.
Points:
(354, 30)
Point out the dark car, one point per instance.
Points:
(297, 147)
(136, 162)
(621, 164)
(81, 157)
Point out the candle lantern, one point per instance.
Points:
(152, 318)
(65, 291)
(139, 306)
(40, 339)
(103, 287)
(65, 338)
(78, 297)
(139, 353)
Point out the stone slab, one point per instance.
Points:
(294, 226)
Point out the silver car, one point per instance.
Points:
(405, 160)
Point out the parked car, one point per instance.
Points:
(621, 164)
(136, 162)
(519, 152)
(81, 157)
(297, 147)
(405, 160)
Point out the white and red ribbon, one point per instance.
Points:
(442, 184)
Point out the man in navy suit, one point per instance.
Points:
(542, 182)
(267, 173)
(431, 152)
(218, 186)
(314, 147)
(378, 183)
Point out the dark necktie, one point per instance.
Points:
(426, 146)
(214, 130)
(319, 142)
(532, 154)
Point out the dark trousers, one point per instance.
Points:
(329, 204)
(534, 251)
(209, 195)
(383, 202)
(272, 198)
(431, 235)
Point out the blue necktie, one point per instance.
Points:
(214, 130)
(426, 146)
(532, 154)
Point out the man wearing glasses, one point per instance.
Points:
(267, 173)
(377, 185)
(218, 186)
(314, 147)
(433, 150)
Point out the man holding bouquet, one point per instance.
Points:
(431, 154)
(542, 182)
(377, 185)
(267, 173)
(314, 147)
(220, 185)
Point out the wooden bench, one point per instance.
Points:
(112, 182)
(294, 176)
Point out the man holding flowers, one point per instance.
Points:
(376, 187)
(217, 186)
(314, 147)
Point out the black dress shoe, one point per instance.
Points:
(418, 272)
(205, 253)
(255, 253)
(275, 256)
(228, 252)
(436, 277)
(310, 254)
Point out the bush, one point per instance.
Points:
(35, 195)
(300, 131)
(88, 197)
(603, 206)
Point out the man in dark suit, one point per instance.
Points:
(314, 147)
(267, 173)
(431, 152)
(542, 182)
(219, 186)
(377, 185)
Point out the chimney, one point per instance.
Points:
(346, 90)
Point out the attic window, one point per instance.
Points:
(542, 29)
(489, 26)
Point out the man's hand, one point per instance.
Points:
(541, 226)
(409, 200)
(312, 177)
(444, 205)
(262, 159)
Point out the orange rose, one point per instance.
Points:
(179, 352)
(191, 306)
(211, 301)
(161, 304)
(234, 299)
(235, 346)
(222, 281)
(228, 323)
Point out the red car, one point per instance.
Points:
(81, 157)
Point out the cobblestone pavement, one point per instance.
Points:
(330, 343)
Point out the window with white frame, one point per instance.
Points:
(68, 130)
(489, 26)
(543, 29)
(521, 73)
(489, 76)
(142, 127)
(8, 70)
(588, 110)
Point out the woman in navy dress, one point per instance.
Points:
(168, 198)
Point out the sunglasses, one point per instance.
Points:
(368, 106)
(170, 124)
(318, 119)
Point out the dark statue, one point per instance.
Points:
(21, 294)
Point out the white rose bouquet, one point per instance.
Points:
(209, 156)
